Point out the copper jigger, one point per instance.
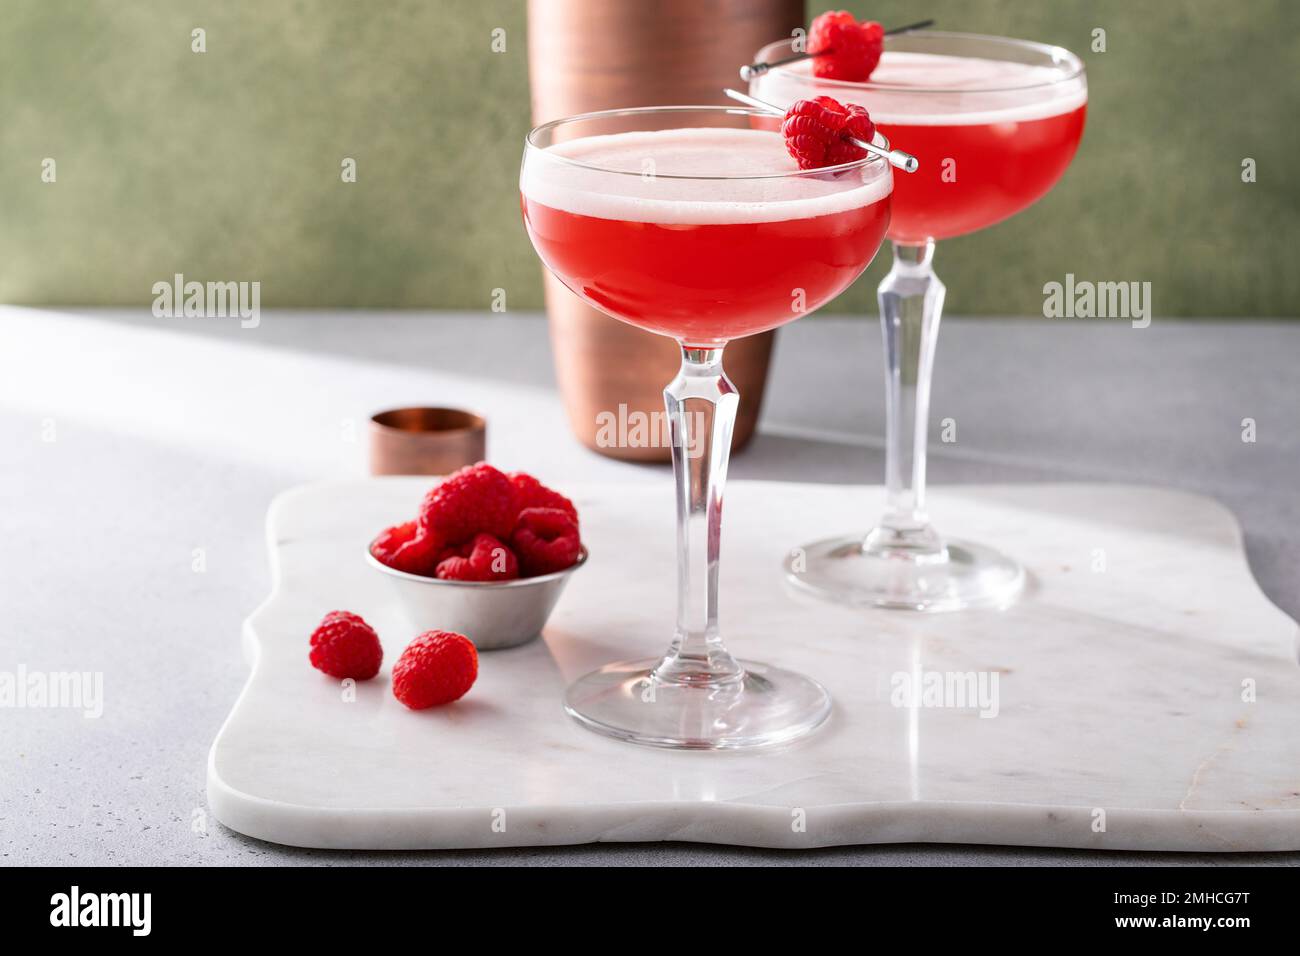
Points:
(425, 441)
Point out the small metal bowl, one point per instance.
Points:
(492, 614)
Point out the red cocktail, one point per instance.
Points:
(689, 222)
(702, 260)
(998, 169)
(994, 123)
(993, 135)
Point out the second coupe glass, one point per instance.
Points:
(994, 122)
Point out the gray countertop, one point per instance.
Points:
(137, 446)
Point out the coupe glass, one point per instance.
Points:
(693, 223)
(994, 123)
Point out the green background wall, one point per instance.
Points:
(226, 165)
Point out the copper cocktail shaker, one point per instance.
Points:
(586, 55)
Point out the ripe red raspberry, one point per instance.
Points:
(346, 646)
(476, 498)
(405, 547)
(483, 559)
(534, 494)
(815, 132)
(436, 668)
(843, 48)
(546, 540)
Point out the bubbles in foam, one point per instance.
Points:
(940, 90)
(630, 176)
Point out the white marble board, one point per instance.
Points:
(1148, 692)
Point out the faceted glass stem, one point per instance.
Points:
(904, 563)
(911, 305)
(701, 404)
(698, 697)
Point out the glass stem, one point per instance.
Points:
(701, 404)
(911, 304)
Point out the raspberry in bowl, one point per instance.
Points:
(488, 556)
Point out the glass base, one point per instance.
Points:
(766, 706)
(964, 575)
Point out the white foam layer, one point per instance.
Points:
(939, 90)
(634, 181)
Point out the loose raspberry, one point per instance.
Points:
(405, 547)
(346, 646)
(483, 559)
(815, 132)
(844, 49)
(436, 668)
(534, 494)
(476, 498)
(546, 540)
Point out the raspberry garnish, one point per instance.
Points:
(534, 494)
(483, 559)
(815, 132)
(546, 540)
(436, 668)
(346, 646)
(844, 49)
(478, 498)
(405, 547)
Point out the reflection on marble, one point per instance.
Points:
(1147, 693)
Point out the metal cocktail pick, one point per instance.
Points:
(751, 70)
(896, 157)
